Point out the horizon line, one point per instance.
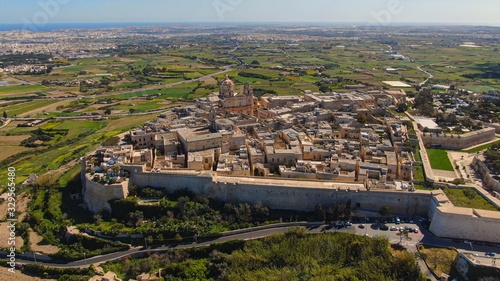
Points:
(276, 23)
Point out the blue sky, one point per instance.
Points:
(358, 11)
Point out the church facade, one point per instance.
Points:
(232, 102)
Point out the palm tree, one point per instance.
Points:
(402, 234)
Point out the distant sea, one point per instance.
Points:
(58, 26)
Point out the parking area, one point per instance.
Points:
(378, 228)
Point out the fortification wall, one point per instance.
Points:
(488, 179)
(96, 195)
(463, 223)
(171, 182)
(454, 141)
(300, 196)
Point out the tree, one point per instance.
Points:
(5, 115)
(136, 218)
(362, 118)
(132, 110)
(402, 234)
(402, 107)
(319, 213)
(107, 111)
(324, 89)
(385, 211)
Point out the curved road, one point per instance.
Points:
(423, 237)
(426, 72)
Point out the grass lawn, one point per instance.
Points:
(440, 260)
(418, 174)
(439, 159)
(480, 148)
(468, 198)
(22, 88)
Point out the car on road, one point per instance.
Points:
(383, 227)
(361, 226)
(348, 224)
(490, 254)
(393, 228)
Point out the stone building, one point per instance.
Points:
(233, 102)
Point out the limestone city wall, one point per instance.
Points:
(463, 223)
(454, 141)
(96, 195)
(282, 196)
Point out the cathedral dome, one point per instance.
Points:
(227, 82)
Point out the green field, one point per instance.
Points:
(19, 89)
(480, 148)
(82, 137)
(17, 109)
(439, 159)
(468, 199)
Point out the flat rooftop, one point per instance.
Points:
(397, 84)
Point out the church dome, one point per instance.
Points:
(227, 81)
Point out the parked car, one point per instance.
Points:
(393, 228)
(490, 254)
(361, 226)
(415, 230)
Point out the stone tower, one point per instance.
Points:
(211, 118)
(247, 91)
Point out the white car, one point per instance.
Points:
(393, 228)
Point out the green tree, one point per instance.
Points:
(319, 213)
(5, 115)
(402, 107)
(362, 118)
(385, 211)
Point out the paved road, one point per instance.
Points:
(369, 230)
(426, 72)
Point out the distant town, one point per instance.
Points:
(182, 148)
